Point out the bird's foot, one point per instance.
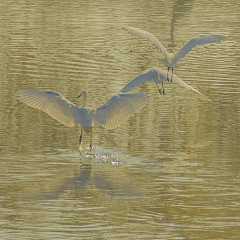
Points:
(161, 91)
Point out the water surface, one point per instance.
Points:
(170, 172)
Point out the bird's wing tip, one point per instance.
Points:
(201, 96)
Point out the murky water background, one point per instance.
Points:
(170, 172)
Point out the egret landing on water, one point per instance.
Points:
(110, 115)
(158, 75)
(171, 58)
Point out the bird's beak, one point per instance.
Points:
(79, 96)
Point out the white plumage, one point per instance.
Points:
(171, 59)
(159, 76)
(110, 115)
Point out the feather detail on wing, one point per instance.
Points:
(198, 40)
(193, 90)
(118, 109)
(158, 75)
(145, 34)
(149, 75)
(54, 104)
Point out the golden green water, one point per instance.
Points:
(170, 172)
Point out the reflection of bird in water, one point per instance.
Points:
(110, 115)
(171, 58)
(158, 75)
(180, 13)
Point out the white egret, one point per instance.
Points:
(171, 58)
(110, 115)
(158, 75)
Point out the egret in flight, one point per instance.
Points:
(171, 58)
(158, 75)
(110, 115)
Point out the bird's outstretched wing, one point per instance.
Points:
(198, 40)
(193, 90)
(158, 75)
(118, 109)
(145, 34)
(152, 74)
(54, 104)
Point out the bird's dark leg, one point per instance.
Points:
(80, 138)
(163, 91)
(167, 73)
(172, 75)
(91, 141)
(160, 91)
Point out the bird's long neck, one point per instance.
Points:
(85, 101)
(84, 95)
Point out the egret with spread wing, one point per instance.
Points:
(110, 115)
(171, 58)
(158, 75)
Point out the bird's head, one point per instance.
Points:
(84, 95)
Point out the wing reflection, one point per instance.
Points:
(93, 172)
(181, 9)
